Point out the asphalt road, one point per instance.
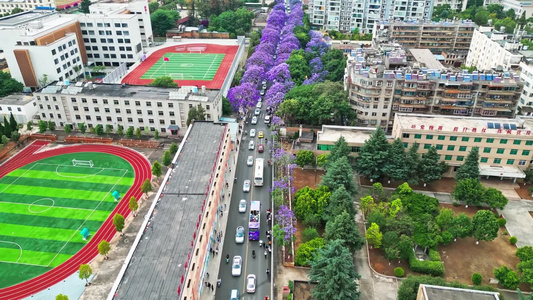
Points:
(258, 265)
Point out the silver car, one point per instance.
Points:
(236, 267)
(254, 120)
(250, 283)
(239, 235)
(242, 206)
(252, 132)
(246, 186)
(250, 161)
(251, 145)
(257, 112)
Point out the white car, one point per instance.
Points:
(242, 206)
(251, 145)
(252, 132)
(236, 267)
(259, 104)
(246, 186)
(250, 161)
(257, 112)
(250, 284)
(254, 120)
(262, 92)
(239, 235)
(267, 119)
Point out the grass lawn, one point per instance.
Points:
(44, 206)
(186, 66)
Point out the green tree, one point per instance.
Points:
(5, 140)
(390, 240)
(237, 22)
(507, 277)
(129, 132)
(298, 66)
(227, 110)
(508, 23)
(164, 81)
(162, 20)
(43, 125)
(397, 167)
(395, 207)
(85, 272)
(430, 166)
(61, 297)
(343, 227)
(13, 123)
(485, 225)
(525, 253)
(120, 130)
(414, 164)
(334, 258)
(481, 17)
(306, 252)
(118, 221)
(84, 6)
(469, 190)
(374, 235)
(173, 148)
(82, 127)
(15, 136)
(309, 233)
(334, 62)
(167, 158)
(156, 169)
(366, 204)
(445, 219)
(494, 198)
(526, 271)
(405, 246)
(99, 129)
(138, 133)
(104, 248)
(339, 149)
(153, 6)
(339, 201)
(108, 129)
(68, 128)
(470, 168)
(309, 205)
(476, 278)
(461, 226)
(427, 233)
(51, 126)
(146, 186)
(29, 125)
(156, 134)
(510, 13)
(305, 157)
(322, 160)
(9, 85)
(7, 128)
(374, 156)
(196, 113)
(133, 205)
(340, 174)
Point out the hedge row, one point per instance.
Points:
(433, 267)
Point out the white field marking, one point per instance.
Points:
(83, 176)
(18, 245)
(206, 72)
(47, 164)
(17, 179)
(38, 212)
(81, 225)
(47, 205)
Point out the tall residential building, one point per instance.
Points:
(525, 105)
(347, 15)
(519, 6)
(380, 86)
(435, 36)
(7, 6)
(36, 44)
(492, 49)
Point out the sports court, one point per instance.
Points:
(44, 205)
(185, 66)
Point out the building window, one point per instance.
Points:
(130, 120)
(500, 150)
(405, 145)
(529, 143)
(160, 113)
(429, 136)
(117, 110)
(98, 118)
(514, 151)
(453, 138)
(162, 122)
(140, 120)
(137, 103)
(170, 105)
(448, 157)
(490, 140)
(115, 102)
(405, 135)
(439, 147)
(119, 119)
(462, 148)
(517, 142)
(108, 119)
(477, 140)
(522, 162)
(465, 139)
(441, 137)
(525, 152)
(171, 113)
(497, 160)
(486, 150)
(107, 110)
(450, 148)
(418, 136)
(510, 161)
(484, 159)
(503, 141)
(159, 104)
(105, 101)
(427, 146)
(460, 158)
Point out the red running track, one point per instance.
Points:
(134, 77)
(142, 170)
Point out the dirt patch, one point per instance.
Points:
(381, 265)
(523, 191)
(444, 185)
(302, 290)
(469, 211)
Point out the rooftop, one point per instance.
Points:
(438, 123)
(24, 17)
(129, 91)
(353, 135)
(158, 262)
(16, 99)
(433, 292)
(427, 58)
(462, 23)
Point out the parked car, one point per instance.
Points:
(239, 235)
(250, 161)
(267, 119)
(246, 186)
(242, 206)
(259, 104)
(250, 283)
(236, 267)
(260, 148)
(251, 145)
(262, 92)
(254, 120)
(252, 132)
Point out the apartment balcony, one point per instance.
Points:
(414, 108)
(501, 92)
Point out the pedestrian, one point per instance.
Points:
(225, 206)
(268, 271)
(206, 284)
(207, 274)
(213, 288)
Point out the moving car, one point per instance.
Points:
(259, 104)
(260, 148)
(239, 235)
(250, 283)
(254, 120)
(267, 119)
(260, 135)
(236, 267)
(246, 186)
(252, 132)
(251, 145)
(250, 161)
(234, 295)
(242, 206)
(257, 112)
(262, 92)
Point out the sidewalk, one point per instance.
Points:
(213, 261)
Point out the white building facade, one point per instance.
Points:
(23, 108)
(525, 105)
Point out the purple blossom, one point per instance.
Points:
(266, 47)
(288, 47)
(270, 35)
(316, 44)
(279, 73)
(287, 222)
(243, 96)
(254, 74)
(312, 80)
(290, 39)
(276, 121)
(274, 100)
(281, 58)
(279, 87)
(277, 18)
(316, 65)
(261, 59)
(287, 30)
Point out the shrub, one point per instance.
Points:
(399, 272)
(306, 252)
(434, 255)
(291, 285)
(502, 222)
(455, 203)
(476, 278)
(309, 233)
(435, 268)
(513, 240)
(507, 277)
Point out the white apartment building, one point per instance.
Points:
(7, 6)
(347, 15)
(23, 107)
(145, 107)
(38, 43)
(525, 105)
(518, 6)
(491, 49)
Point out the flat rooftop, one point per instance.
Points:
(23, 17)
(432, 292)
(158, 262)
(16, 99)
(128, 91)
(427, 58)
(353, 135)
(450, 123)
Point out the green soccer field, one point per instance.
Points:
(44, 206)
(186, 66)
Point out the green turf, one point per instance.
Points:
(44, 205)
(186, 66)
